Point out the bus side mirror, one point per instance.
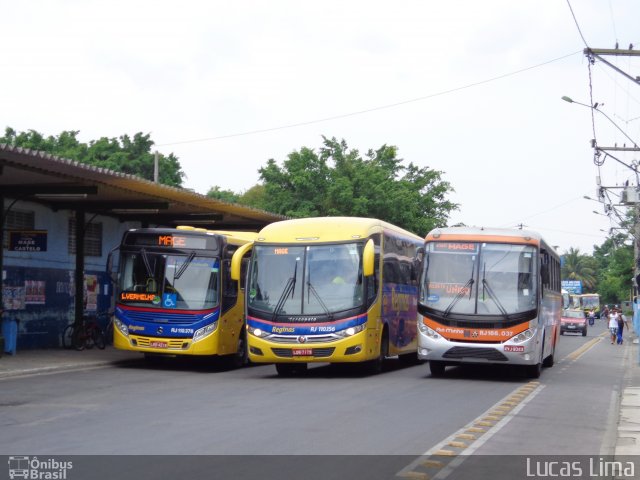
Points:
(110, 273)
(416, 266)
(236, 260)
(368, 258)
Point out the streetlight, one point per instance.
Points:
(592, 107)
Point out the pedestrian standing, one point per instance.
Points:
(613, 325)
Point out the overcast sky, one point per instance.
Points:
(470, 88)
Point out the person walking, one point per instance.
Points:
(613, 325)
(622, 321)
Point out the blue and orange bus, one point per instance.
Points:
(488, 296)
(175, 295)
(332, 289)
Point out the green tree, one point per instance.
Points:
(123, 154)
(224, 195)
(615, 269)
(582, 267)
(339, 181)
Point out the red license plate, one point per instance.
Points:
(514, 348)
(158, 344)
(302, 352)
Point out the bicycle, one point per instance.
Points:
(87, 334)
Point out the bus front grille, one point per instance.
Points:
(458, 353)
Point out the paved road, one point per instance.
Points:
(189, 407)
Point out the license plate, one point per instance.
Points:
(302, 352)
(571, 326)
(514, 348)
(158, 344)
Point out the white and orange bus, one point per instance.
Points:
(488, 296)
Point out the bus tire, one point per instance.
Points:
(549, 361)
(290, 369)
(534, 371)
(409, 359)
(376, 366)
(241, 357)
(436, 368)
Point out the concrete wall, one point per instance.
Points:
(38, 287)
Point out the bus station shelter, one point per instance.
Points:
(60, 219)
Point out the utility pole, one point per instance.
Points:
(631, 195)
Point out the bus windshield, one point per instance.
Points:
(306, 280)
(479, 278)
(590, 301)
(169, 281)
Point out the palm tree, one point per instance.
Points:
(580, 267)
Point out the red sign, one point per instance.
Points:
(514, 348)
(302, 352)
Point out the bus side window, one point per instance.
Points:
(244, 268)
(229, 287)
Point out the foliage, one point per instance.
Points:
(338, 181)
(123, 154)
(615, 261)
(582, 267)
(223, 195)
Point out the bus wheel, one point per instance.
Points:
(290, 369)
(436, 368)
(548, 362)
(241, 357)
(377, 366)
(409, 359)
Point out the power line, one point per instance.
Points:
(577, 25)
(369, 110)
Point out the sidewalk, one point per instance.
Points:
(32, 362)
(628, 438)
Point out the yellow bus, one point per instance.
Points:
(331, 289)
(489, 296)
(175, 295)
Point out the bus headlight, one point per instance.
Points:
(524, 336)
(257, 332)
(204, 332)
(351, 331)
(428, 331)
(121, 326)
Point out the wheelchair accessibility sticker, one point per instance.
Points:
(169, 300)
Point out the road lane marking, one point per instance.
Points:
(450, 453)
(576, 354)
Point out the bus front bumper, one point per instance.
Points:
(454, 352)
(360, 347)
(166, 345)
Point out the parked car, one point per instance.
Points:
(573, 321)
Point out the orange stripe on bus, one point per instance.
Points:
(476, 334)
(445, 237)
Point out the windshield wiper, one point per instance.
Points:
(461, 292)
(289, 288)
(147, 264)
(426, 278)
(492, 295)
(459, 295)
(184, 266)
(312, 289)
